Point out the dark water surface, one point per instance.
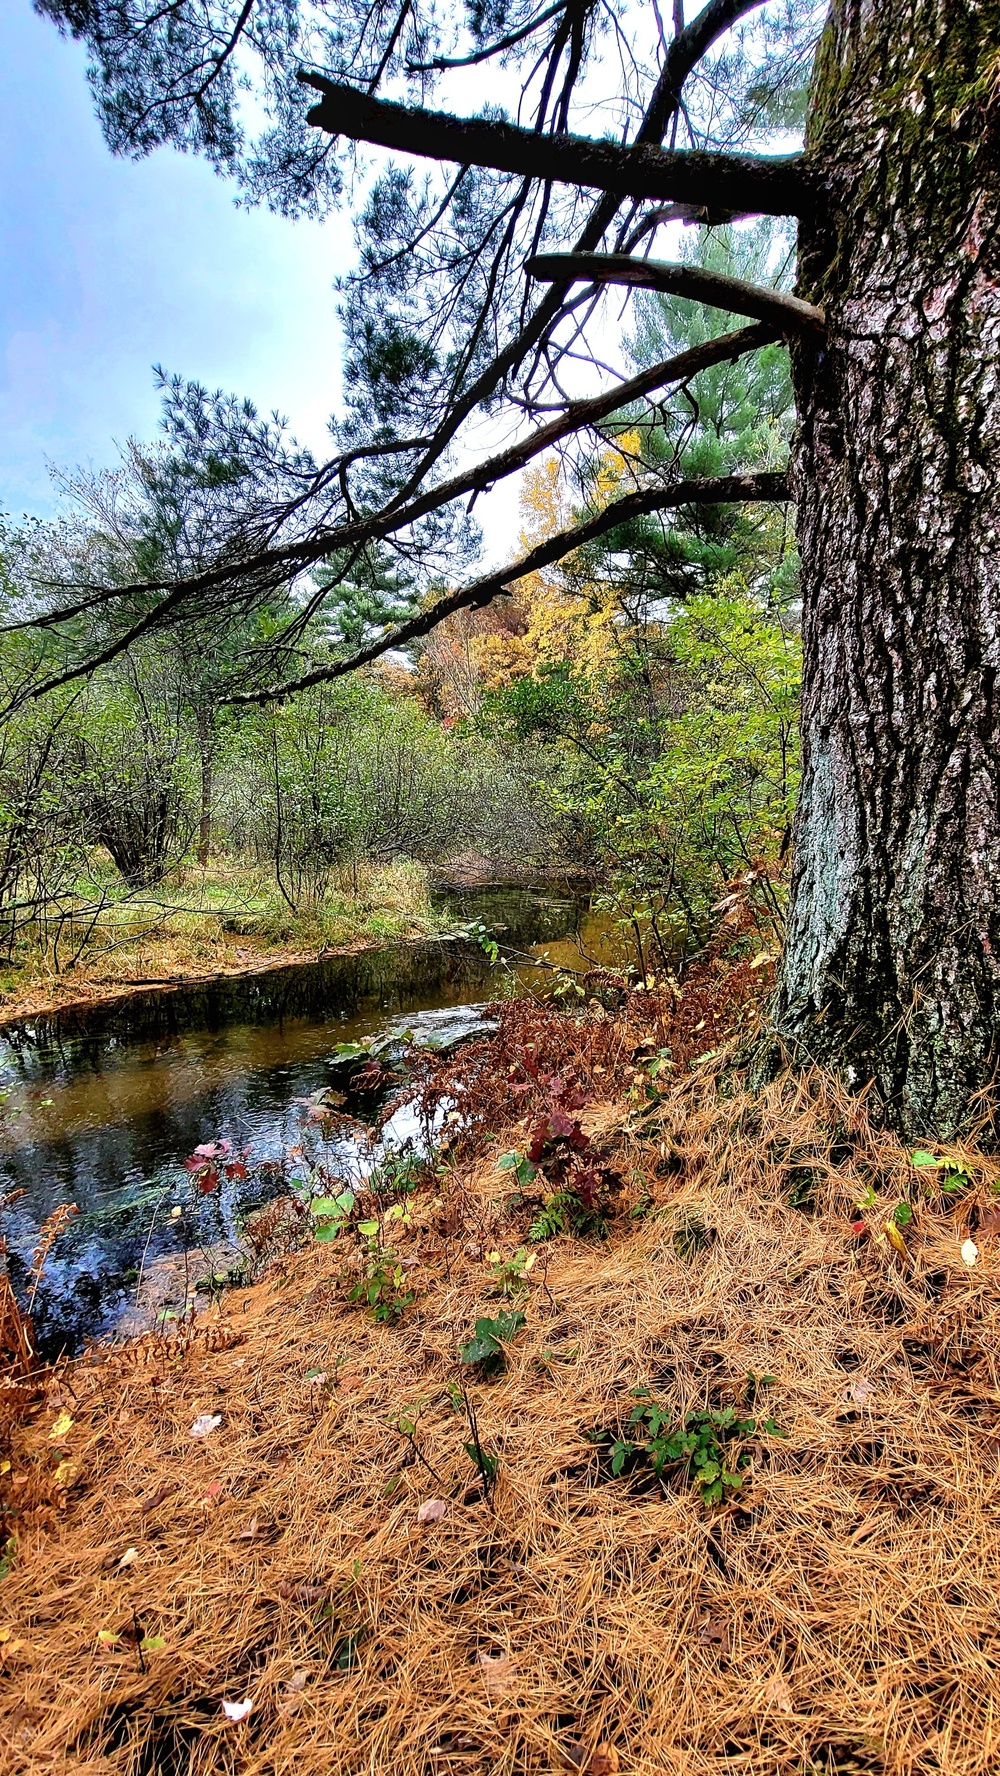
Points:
(104, 1105)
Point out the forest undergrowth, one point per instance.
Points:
(654, 1426)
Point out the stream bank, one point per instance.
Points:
(106, 1102)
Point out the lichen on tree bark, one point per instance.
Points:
(893, 944)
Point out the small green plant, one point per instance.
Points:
(567, 985)
(649, 1089)
(754, 1384)
(484, 1463)
(509, 1276)
(398, 1175)
(553, 1217)
(480, 935)
(330, 1213)
(703, 1449)
(486, 1346)
(690, 1238)
(902, 1214)
(406, 1425)
(953, 1176)
(521, 1166)
(382, 1283)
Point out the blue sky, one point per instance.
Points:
(109, 266)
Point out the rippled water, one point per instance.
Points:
(105, 1106)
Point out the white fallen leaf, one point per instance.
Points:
(432, 1510)
(129, 1557)
(205, 1424)
(970, 1252)
(862, 1390)
(778, 1694)
(498, 1674)
(237, 1711)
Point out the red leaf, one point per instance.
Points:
(560, 1125)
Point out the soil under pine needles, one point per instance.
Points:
(839, 1614)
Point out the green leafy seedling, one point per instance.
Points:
(954, 1176)
(330, 1213)
(486, 1346)
(509, 1276)
(521, 1167)
(703, 1449)
(485, 1464)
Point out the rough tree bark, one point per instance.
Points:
(893, 944)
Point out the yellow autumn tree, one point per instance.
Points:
(562, 615)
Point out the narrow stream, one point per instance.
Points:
(106, 1103)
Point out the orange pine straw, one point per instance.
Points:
(838, 1614)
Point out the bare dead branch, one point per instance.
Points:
(759, 184)
(788, 313)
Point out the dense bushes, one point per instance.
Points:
(103, 799)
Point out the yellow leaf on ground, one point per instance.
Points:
(61, 1426)
(895, 1237)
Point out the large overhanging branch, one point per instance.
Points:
(273, 568)
(764, 488)
(685, 52)
(787, 313)
(758, 184)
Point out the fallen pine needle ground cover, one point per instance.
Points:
(292, 1539)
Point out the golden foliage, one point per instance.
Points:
(554, 615)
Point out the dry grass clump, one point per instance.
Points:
(837, 1615)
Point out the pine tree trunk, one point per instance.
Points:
(893, 943)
